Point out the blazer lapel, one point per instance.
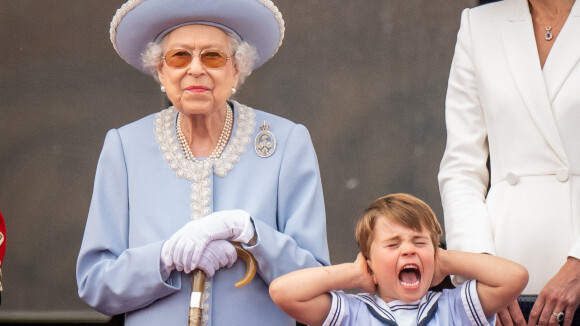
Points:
(564, 55)
(522, 54)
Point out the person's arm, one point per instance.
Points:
(111, 277)
(304, 296)
(499, 281)
(463, 175)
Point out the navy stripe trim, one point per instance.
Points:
(404, 306)
(430, 306)
(380, 317)
(373, 306)
(426, 303)
(429, 314)
(471, 304)
(338, 309)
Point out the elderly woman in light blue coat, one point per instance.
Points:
(174, 189)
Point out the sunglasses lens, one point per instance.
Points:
(178, 58)
(182, 58)
(213, 59)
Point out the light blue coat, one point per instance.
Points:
(139, 202)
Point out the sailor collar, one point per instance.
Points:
(381, 310)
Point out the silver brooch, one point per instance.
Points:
(265, 142)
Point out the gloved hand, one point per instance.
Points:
(216, 255)
(184, 248)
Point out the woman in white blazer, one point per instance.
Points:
(514, 95)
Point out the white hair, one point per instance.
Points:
(244, 57)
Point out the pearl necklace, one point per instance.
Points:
(222, 141)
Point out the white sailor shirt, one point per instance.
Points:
(459, 306)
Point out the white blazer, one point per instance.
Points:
(502, 103)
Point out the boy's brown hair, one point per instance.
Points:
(402, 209)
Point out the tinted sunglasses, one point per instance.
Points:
(180, 58)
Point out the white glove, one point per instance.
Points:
(216, 255)
(184, 248)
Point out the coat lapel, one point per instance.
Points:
(564, 55)
(522, 54)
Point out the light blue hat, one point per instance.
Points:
(138, 22)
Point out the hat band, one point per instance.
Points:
(201, 22)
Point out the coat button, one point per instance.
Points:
(512, 178)
(562, 174)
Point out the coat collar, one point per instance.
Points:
(522, 54)
(381, 310)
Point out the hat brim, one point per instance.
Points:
(139, 22)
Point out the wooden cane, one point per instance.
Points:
(195, 310)
(198, 283)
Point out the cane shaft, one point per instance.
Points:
(197, 287)
(198, 284)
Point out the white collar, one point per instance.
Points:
(199, 172)
(383, 311)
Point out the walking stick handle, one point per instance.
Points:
(251, 264)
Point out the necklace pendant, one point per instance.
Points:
(265, 142)
(548, 36)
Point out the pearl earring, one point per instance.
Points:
(162, 89)
(234, 90)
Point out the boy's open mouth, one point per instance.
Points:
(410, 276)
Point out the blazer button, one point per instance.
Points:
(562, 174)
(512, 178)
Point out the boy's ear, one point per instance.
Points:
(370, 269)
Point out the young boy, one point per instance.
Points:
(398, 236)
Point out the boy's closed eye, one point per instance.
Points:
(421, 241)
(391, 243)
(396, 243)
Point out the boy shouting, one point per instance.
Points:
(400, 259)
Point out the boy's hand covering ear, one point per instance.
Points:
(438, 274)
(366, 280)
